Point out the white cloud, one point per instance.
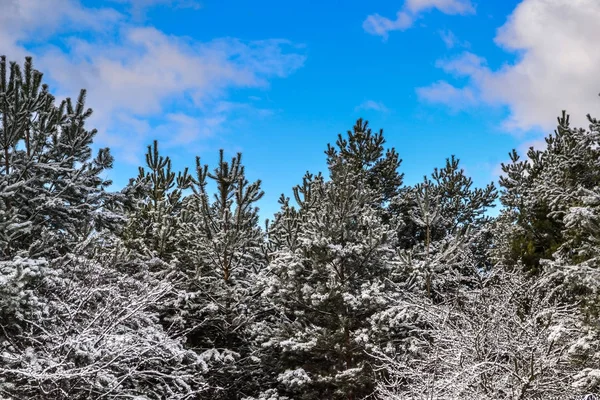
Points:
(146, 68)
(451, 40)
(556, 67)
(375, 24)
(467, 64)
(193, 4)
(442, 92)
(373, 106)
(451, 7)
(138, 8)
(33, 21)
(136, 74)
(183, 129)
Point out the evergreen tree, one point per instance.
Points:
(551, 200)
(450, 200)
(359, 287)
(229, 224)
(540, 191)
(445, 235)
(547, 229)
(77, 313)
(362, 153)
(155, 203)
(221, 246)
(51, 191)
(327, 277)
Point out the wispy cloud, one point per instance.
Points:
(138, 8)
(451, 40)
(456, 99)
(136, 74)
(193, 4)
(372, 106)
(376, 24)
(556, 67)
(466, 64)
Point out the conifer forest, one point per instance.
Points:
(359, 287)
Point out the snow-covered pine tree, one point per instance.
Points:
(329, 273)
(362, 153)
(539, 191)
(51, 189)
(282, 232)
(51, 192)
(442, 251)
(547, 229)
(155, 202)
(228, 224)
(445, 235)
(450, 196)
(73, 324)
(221, 244)
(551, 200)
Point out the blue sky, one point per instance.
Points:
(279, 80)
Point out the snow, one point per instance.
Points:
(168, 290)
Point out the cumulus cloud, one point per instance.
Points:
(376, 24)
(556, 66)
(373, 106)
(137, 74)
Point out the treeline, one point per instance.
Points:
(359, 287)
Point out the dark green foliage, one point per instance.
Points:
(330, 258)
(51, 191)
(170, 289)
(451, 200)
(77, 312)
(444, 233)
(221, 253)
(154, 207)
(363, 154)
(538, 192)
(228, 224)
(283, 232)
